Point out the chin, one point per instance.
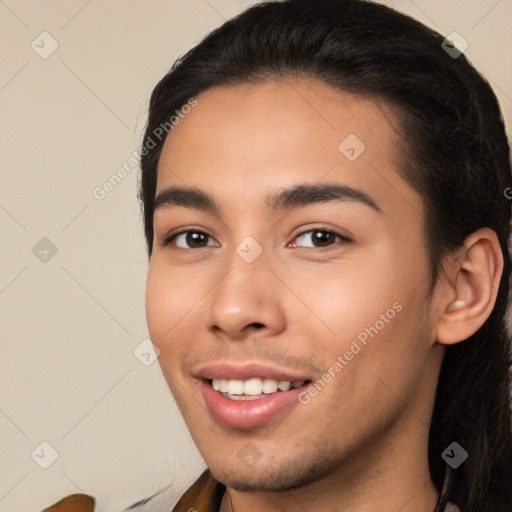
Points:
(289, 475)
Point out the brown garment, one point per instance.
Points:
(73, 503)
(204, 495)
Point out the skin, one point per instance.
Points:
(361, 443)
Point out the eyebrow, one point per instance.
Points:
(290, 198)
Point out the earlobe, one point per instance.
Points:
(472, 293)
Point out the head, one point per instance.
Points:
(277, 113)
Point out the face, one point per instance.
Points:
(297, 262)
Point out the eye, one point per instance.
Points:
(189, 240)
(318, 238)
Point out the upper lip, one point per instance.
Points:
(233, 371)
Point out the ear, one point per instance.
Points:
(468, 297)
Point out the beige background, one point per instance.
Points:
(68, 374)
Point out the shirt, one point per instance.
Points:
(204, 495)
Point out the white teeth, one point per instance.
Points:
(243, 397)
(255, 388)
(284, 385)
(269, 386)
(235, 387)
(252, 387)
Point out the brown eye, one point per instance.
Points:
(318, 238)
(189, 240)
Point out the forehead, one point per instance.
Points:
(240, 142)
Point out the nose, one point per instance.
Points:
(246, 300)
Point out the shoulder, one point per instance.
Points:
(204, 495)
(74, 503)
(160, 501)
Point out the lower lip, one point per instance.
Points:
(248, 413)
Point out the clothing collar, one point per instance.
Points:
(204, 495)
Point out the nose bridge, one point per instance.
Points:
(250, 250)
(247, 270)
(244, 295)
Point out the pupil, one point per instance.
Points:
(195, 238)
(322, 237)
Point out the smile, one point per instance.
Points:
(252, 389)
(270, 400)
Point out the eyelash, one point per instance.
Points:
(168, 240)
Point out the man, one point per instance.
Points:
(328, 277)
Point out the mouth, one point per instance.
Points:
(253, 389)
(251, 403)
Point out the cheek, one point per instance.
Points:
(158, 305)
(166, 310)
(365, 312)
(174, 288)
(345, 298)
(169, 296)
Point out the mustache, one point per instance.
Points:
(265, 352)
